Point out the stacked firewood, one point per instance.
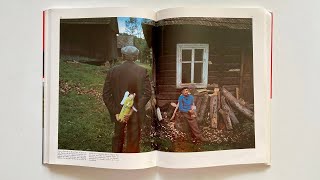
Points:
(221, 101)
(211, 105)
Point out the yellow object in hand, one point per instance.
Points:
(126, 108)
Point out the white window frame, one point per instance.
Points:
(192, 47)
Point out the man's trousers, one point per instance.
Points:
(133, 134)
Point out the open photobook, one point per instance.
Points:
(128, 88)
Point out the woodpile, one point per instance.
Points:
(235, 103)
(218, 107)
(221, 104)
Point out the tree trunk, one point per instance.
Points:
(203, 108)
(226, 118)
(170, 110)
(214, 109)
(237, 105)
(151, 105)
(198, 105)
(219, 100)
(237, 93)
(228, 109)
(249, 106)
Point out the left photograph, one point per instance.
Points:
(106, 95)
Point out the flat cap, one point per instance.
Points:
(130, 51)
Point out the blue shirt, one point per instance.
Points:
(185, 103)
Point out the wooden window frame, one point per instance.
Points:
(192, 47)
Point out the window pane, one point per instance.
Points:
(198, 55)
(186, 72)
(198, 72)
(186, 54)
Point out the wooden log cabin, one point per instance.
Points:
(203, 52)
(93, 38)
(124, 40)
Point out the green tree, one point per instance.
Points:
(145, 51)
(133, 27)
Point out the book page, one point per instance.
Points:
(99, 97)
(212, 86)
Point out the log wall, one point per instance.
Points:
(96, 41)
(225, 53)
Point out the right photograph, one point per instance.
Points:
(203, 73)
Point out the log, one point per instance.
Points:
(214, 108)
(249, 106)
(228, 110)
(170, 110)
(212, 86)
(237, 92)
(219, 100)
(212, 105)
(198, 104)
(195, 97)
(242, 102)
(226, 118)
(235, 103)
(203, 107)
(151, 105)
(204, 91)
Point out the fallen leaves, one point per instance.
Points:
(240, 137)
(65, 87)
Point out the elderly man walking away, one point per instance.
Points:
(132, 78)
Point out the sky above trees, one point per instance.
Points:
(124, 29)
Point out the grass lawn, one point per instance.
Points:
(84, 121)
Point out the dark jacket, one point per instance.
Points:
(126, 77)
